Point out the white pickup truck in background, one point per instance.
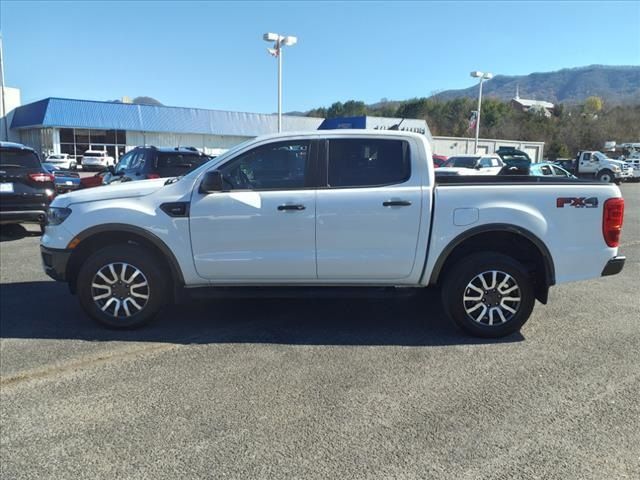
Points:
(326, 210)
(597, 165)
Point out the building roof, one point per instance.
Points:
(378, 123)
(68, 113)
(533, 103)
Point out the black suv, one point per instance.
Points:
(26, 188)
(142, 163)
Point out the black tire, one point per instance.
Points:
(606, 176)
(135, 257)
(467, 270)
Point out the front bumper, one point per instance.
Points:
(613, 266)
(23, 216)
(55, 261)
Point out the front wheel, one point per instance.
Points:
(606, 176)
(488, 295)
(122, 286)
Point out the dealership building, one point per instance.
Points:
(61, 125)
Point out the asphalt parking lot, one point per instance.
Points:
(335, 389)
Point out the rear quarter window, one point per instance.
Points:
(18, 159)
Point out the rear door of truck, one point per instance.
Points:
(369, 214)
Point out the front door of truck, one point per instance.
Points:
(261, 228)
(368, 216)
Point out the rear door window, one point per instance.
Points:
(18, 159)
(366, 162)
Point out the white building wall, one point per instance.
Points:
(9, 100)
(209, 144)
(450, 146)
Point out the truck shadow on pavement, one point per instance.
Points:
(14, 231)
(46, 310)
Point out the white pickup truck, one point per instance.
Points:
(597, 165)
(314, 212)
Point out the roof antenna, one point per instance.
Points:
(396, 126)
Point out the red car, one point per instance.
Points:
(92, 181)
(438, 160)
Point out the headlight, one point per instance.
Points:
(615, 169)
(56, 215)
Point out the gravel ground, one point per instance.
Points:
(319, 389)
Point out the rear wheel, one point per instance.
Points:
(122, 286)
(488, 295)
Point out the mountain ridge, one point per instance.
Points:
(615, 84)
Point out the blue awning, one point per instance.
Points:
(67, 113)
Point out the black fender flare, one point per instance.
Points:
(550, 274)
(157, 242)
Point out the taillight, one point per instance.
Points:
(152, 175)
(612, 217)
(42, 177)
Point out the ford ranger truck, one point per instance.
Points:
(326, 210)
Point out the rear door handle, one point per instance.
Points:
(291, 207)
(396, 203)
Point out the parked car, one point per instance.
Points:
(568, 164)
(65, 181)
(332, 210)
(516, 161)
(597, 165)
(97, 160)
(548, 169)
(471, 165)
(62, 160)
(143, 163)
(26, 187)
(94, 180)
(438, 160)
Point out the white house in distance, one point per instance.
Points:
(526, 105)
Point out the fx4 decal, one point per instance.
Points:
(578, 202)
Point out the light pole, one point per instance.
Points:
(482, 76)
(276, 51)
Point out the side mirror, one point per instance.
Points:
(478, 167)
(212, 182)
(111, 169)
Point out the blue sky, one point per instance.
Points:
(211, 54)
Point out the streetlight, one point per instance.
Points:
(276, 51)
(482, 76)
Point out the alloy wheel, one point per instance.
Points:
(120, 290)
(492, 298)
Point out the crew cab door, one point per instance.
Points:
(588, 163)
(261, 227)
(368, 216)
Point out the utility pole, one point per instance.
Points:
(3, 113)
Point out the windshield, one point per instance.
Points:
(56, 157)
(94, 154)
(461, 162)
(601, 156)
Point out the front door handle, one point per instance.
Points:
(396, 203)
(291, 207)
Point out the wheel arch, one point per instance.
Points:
(517, 242)
(103, 235)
